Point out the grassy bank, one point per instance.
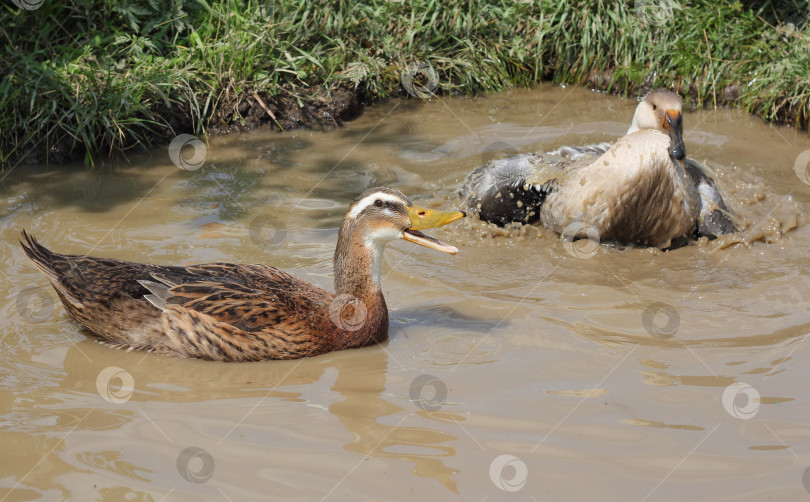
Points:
(98, 78)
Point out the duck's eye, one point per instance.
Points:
(655, 107)
(378, 203)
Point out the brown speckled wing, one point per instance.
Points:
(243, 307)
(259, 313)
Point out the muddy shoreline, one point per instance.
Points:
(329, 108)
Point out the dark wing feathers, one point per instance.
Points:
(500, 193)
(249, 297)
(714, 218)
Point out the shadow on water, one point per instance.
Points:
(444, 316)
(98, 190)
(360, 381)
(360, 415)
(224, 181)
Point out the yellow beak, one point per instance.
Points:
(429, 218)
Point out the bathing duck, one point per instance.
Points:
(633, 192)
(234, 312)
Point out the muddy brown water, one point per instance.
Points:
(524, 368)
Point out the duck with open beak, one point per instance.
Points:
(428, 218)
(240, 312)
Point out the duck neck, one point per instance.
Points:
(634, 124)
(357, 264)
(357, 282)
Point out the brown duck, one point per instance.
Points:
(232, 312)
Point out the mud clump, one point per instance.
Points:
(327, 109)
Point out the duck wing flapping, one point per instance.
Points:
(576, 152)
(513, 190)
(714, 218)
(501, 193)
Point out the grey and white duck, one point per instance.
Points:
(641, 190)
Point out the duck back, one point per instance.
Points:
(633, 193)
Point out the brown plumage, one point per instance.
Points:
(233, 312)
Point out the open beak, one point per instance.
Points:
(428, 218)
(673, 125)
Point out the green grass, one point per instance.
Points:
(98, 78)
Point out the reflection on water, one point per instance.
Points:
(675, 372)
(361, 416)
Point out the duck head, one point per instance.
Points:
(661, 110)
(376, 217)
(385, 214)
